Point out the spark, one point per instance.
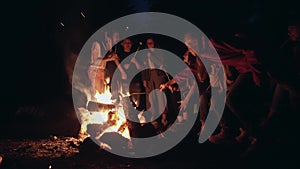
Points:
(62, 24)
(82, 14)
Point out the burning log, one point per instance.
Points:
(96, 106)
(116, 141)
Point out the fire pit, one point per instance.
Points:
(102, 119)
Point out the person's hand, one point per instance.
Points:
(257, 81)
(248, 53)
(126, 65)
(170, 88)
(142, 118)
(108, 41)
(145, 84)
(114, 56)
(164, 121)
(183, 104)
(133, 60)
(229, 82)
(136, 63)
(163, 87)
(192, 51)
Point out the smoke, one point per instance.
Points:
(70, 61)
(78, 81)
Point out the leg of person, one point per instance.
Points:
(161, 100)
(280, 95)
(204, 100)
(238, 99)
(229, 126)
(238, 94)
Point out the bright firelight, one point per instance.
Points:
(109, 120)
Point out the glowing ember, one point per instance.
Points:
(118, 121)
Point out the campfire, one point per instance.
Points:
(102, 115)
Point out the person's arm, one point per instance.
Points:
(186, 100)
(179, 78)
(213, 69)
(190, 50)
(201, 73)
(136, 63)
(221, 87)
(155, 58)
(108, 41)
(167, 84)
(145, 77)
(115, 59)
(228, 75)
(123, 74)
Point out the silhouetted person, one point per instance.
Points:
(287, 76)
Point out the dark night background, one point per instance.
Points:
(35, 91)
(35, 45)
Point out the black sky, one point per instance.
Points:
(35, 43)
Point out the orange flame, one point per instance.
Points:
(113, 120)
